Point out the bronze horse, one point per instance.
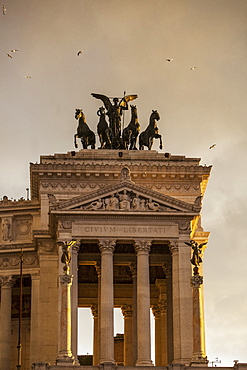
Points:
(86, 135)
(147, 137)
(131, 132)
(104, 131)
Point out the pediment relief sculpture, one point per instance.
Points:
(125, 201)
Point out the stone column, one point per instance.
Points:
(34, 331)
(74, 301)
(142, 248)
(128, 353)
(182, 303)
(168, 271)
(175, 301)
(65, 357)
(6, 283)
(199, 357)
(163, 319)
(97, 328)
(106, 302)
(133, 270)
(158, 337)
(94, 310)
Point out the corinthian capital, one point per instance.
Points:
(196, 281)
(173, 247)
(143, 245)
(7, 281)
(107, 245)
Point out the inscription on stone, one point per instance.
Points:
(126, 231)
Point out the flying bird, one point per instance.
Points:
(13, 50)
(4, 10)
(212, 146)
(27, 76)
(79, 52)
(192, 68)
(169, 60)
(8, 55)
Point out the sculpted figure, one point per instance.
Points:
(197, 252)
(114, 112)
(96, 205)
(111, 203)
(6, 229)
(124, 201)
(153, 206)
(66, 256)
(136, 203)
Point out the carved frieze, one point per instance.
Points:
(28, 260)
(125, 201)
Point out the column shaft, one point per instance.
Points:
(199, 356)
(134, 317)
(106, 302)
(34, 332)
(128, 347)
(74, 302)
(94, 310)
(5, 321)
(143, 304)
(65, 356)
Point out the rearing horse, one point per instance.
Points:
(147, 137)
(86, 135)
(104, 131)
(131, 132)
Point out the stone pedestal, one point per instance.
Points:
(199, 358)
(65, 357)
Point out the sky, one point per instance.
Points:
(124, 47)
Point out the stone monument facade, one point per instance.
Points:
(130, 215)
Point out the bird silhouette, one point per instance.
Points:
(13, 50)
(169, 60)
(212, 146)
(79, 52)
(27, 76)
(4, 10)
(192, 68)
(8, 55)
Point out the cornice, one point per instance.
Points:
(19, 204)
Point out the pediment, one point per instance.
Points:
(125, 196)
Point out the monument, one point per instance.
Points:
(115, 227)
